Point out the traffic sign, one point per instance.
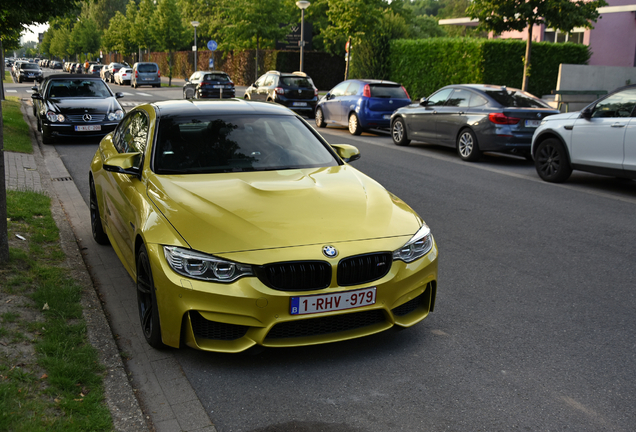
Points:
(212, 45)
(211, 63)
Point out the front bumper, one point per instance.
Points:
(234, 317)
(68, 129)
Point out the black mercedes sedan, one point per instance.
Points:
(75, 106)
(472, 118)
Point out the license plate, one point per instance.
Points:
(148, 79)
(387, 117)
(331, 302)
(218, 86)
(533, 123)
(88, 128)
(30, 75)
(300, 104)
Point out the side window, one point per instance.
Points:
(477, 100)
(194, 76)
(459, 98)
(439, 98)
(620, 104)
(119, 136)
(269, 81)
(261, 80)
(339, 90)
(353, 89)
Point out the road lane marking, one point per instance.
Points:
(143, 94)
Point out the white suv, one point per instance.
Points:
(599, 139)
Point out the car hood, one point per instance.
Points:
(564, 116)
(221, 213)
(83, 105)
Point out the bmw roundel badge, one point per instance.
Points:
(329, 251)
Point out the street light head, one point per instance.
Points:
(194, 23)
(303, 4)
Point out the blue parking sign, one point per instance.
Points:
(211, 63)
(212, 45)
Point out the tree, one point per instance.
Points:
(117, 37)
(505, 15)
(142, 31)
(169, 31)
(14, 16)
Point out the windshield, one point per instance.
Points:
(146, 68)
(216, 77)
(295, 81)
(385, 91)
(515, 98)
(78, 88)
(29, 66)
(187, 145)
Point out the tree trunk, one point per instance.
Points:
(4, 235)
(346, 77)
(526, 60)
(257, 46)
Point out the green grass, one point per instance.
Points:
(7, 76)
(60, 387)
(17, 135)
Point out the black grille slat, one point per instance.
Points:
(205, 329)
(295, 276)
(363, 269)
(326, 325)
(410, 305)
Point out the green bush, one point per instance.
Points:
(425, 65)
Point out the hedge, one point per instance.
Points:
(425, 65)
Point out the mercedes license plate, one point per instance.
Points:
(533, 123)
(88, 128)
(300, 103)
(331, 302)
(387, 117)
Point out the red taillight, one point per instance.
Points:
(501, 118)
(279, 90)
(159, 73)
(366, 91)
(203, 84)
(407, 93)
(136, 74)
(315, 92)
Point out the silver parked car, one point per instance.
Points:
(600, 139)
(145, 73)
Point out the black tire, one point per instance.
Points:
(398, 132)
(320, 119)
(46, 139)
(354, 125)
(552, 161)
(96, 221)
(467, 146)
(147, 301)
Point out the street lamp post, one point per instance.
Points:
(302, 4)
(195, 24)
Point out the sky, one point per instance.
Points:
(32, 33)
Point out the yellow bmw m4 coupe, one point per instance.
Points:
(242, 226)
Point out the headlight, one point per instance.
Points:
(201, 266)
(419, 245)
(53, 117)
(117, 115)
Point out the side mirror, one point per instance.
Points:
(586, 113)
(36, 96)
(347, 153)
(187, 80)
(119, 95)
(329, 96)
(124, 163)
(424, 101)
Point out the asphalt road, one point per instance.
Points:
(533, 328)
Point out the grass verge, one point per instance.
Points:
(17, 135)
(50, 377)
(7, 76)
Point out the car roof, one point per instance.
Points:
(73, 76)
(223, 107)
(375, 81)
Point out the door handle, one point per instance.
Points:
(461, 113)
(618, 125)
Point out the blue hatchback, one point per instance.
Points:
(361, 104)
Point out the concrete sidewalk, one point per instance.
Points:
(148, 390)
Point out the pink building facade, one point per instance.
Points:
(612, 41)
